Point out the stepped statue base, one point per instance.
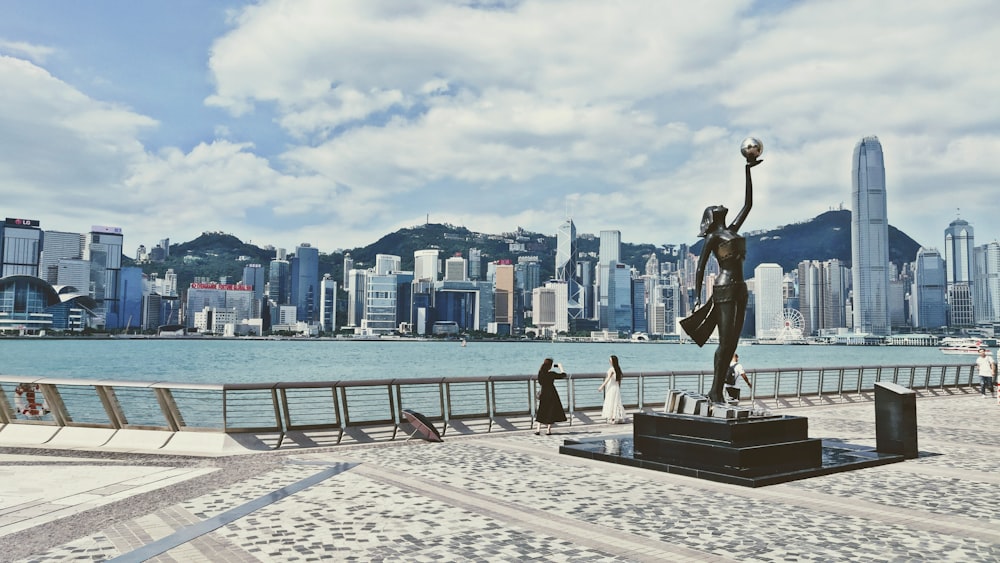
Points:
(727, 444)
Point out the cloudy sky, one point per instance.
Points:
(333, 123)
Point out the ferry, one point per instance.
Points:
(965, 345)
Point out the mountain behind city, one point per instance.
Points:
(215, 256)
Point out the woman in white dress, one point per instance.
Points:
(613, 410)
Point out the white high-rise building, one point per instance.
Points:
(169, 284)
(381, 293)
(59, 245)
(769, 305)
(986, 282)
(549, 313)
(386, 264)
(426, 264)
(455, 269)
(869, 239)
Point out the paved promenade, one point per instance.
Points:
(510, 496)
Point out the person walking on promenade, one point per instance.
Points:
(733, 376)
(987, 369)
(550, 407)
(613, 411)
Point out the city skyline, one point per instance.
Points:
(166, 118)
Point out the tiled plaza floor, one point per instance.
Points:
(510, 497)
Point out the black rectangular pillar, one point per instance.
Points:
(895, 420)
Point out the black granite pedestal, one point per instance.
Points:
(751, 452)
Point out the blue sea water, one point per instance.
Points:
(264, 361)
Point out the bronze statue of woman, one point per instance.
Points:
(726, 307)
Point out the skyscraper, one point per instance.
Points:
(987, 282)
(822, 292)
(619, 296)
(426, 264)
(527, 274)
(278, 280)
(104, 251)
(475, 264)
(58, 246)
(927, 303)
(455, 269)
(305, 283)
(769, 303)
(869, 239)
(503, 290)
(253, 275)
(386, 264)
(959, 242)
(565, 251)
(609, 252)
(348, 266)
(20, 247)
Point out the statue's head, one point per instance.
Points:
(714, 216)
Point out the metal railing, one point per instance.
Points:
(341, 405)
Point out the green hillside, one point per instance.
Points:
(217, 255)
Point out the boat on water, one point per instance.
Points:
(956, 345)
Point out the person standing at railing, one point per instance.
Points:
(550, 407)
(987, 369)
(613, 411)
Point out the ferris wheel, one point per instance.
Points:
(790, 325)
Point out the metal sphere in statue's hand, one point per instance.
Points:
(752, 148)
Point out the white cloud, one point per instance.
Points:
(37, 54)
(496, 118)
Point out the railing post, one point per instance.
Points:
(444, 389)
(173, 415)
(111, 406)
(53, 401)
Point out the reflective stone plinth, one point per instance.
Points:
(751, 452)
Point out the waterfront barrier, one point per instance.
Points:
(167, 416)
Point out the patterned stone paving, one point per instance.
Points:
(512, 497)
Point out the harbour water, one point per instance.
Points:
(264, 361)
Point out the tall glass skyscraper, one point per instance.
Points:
(927, 303)
(959, 242)
(869, 239)
(609, 253)
(565, 251)
(304, 290)
(104, 251)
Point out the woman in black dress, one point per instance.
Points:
(550, 407)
